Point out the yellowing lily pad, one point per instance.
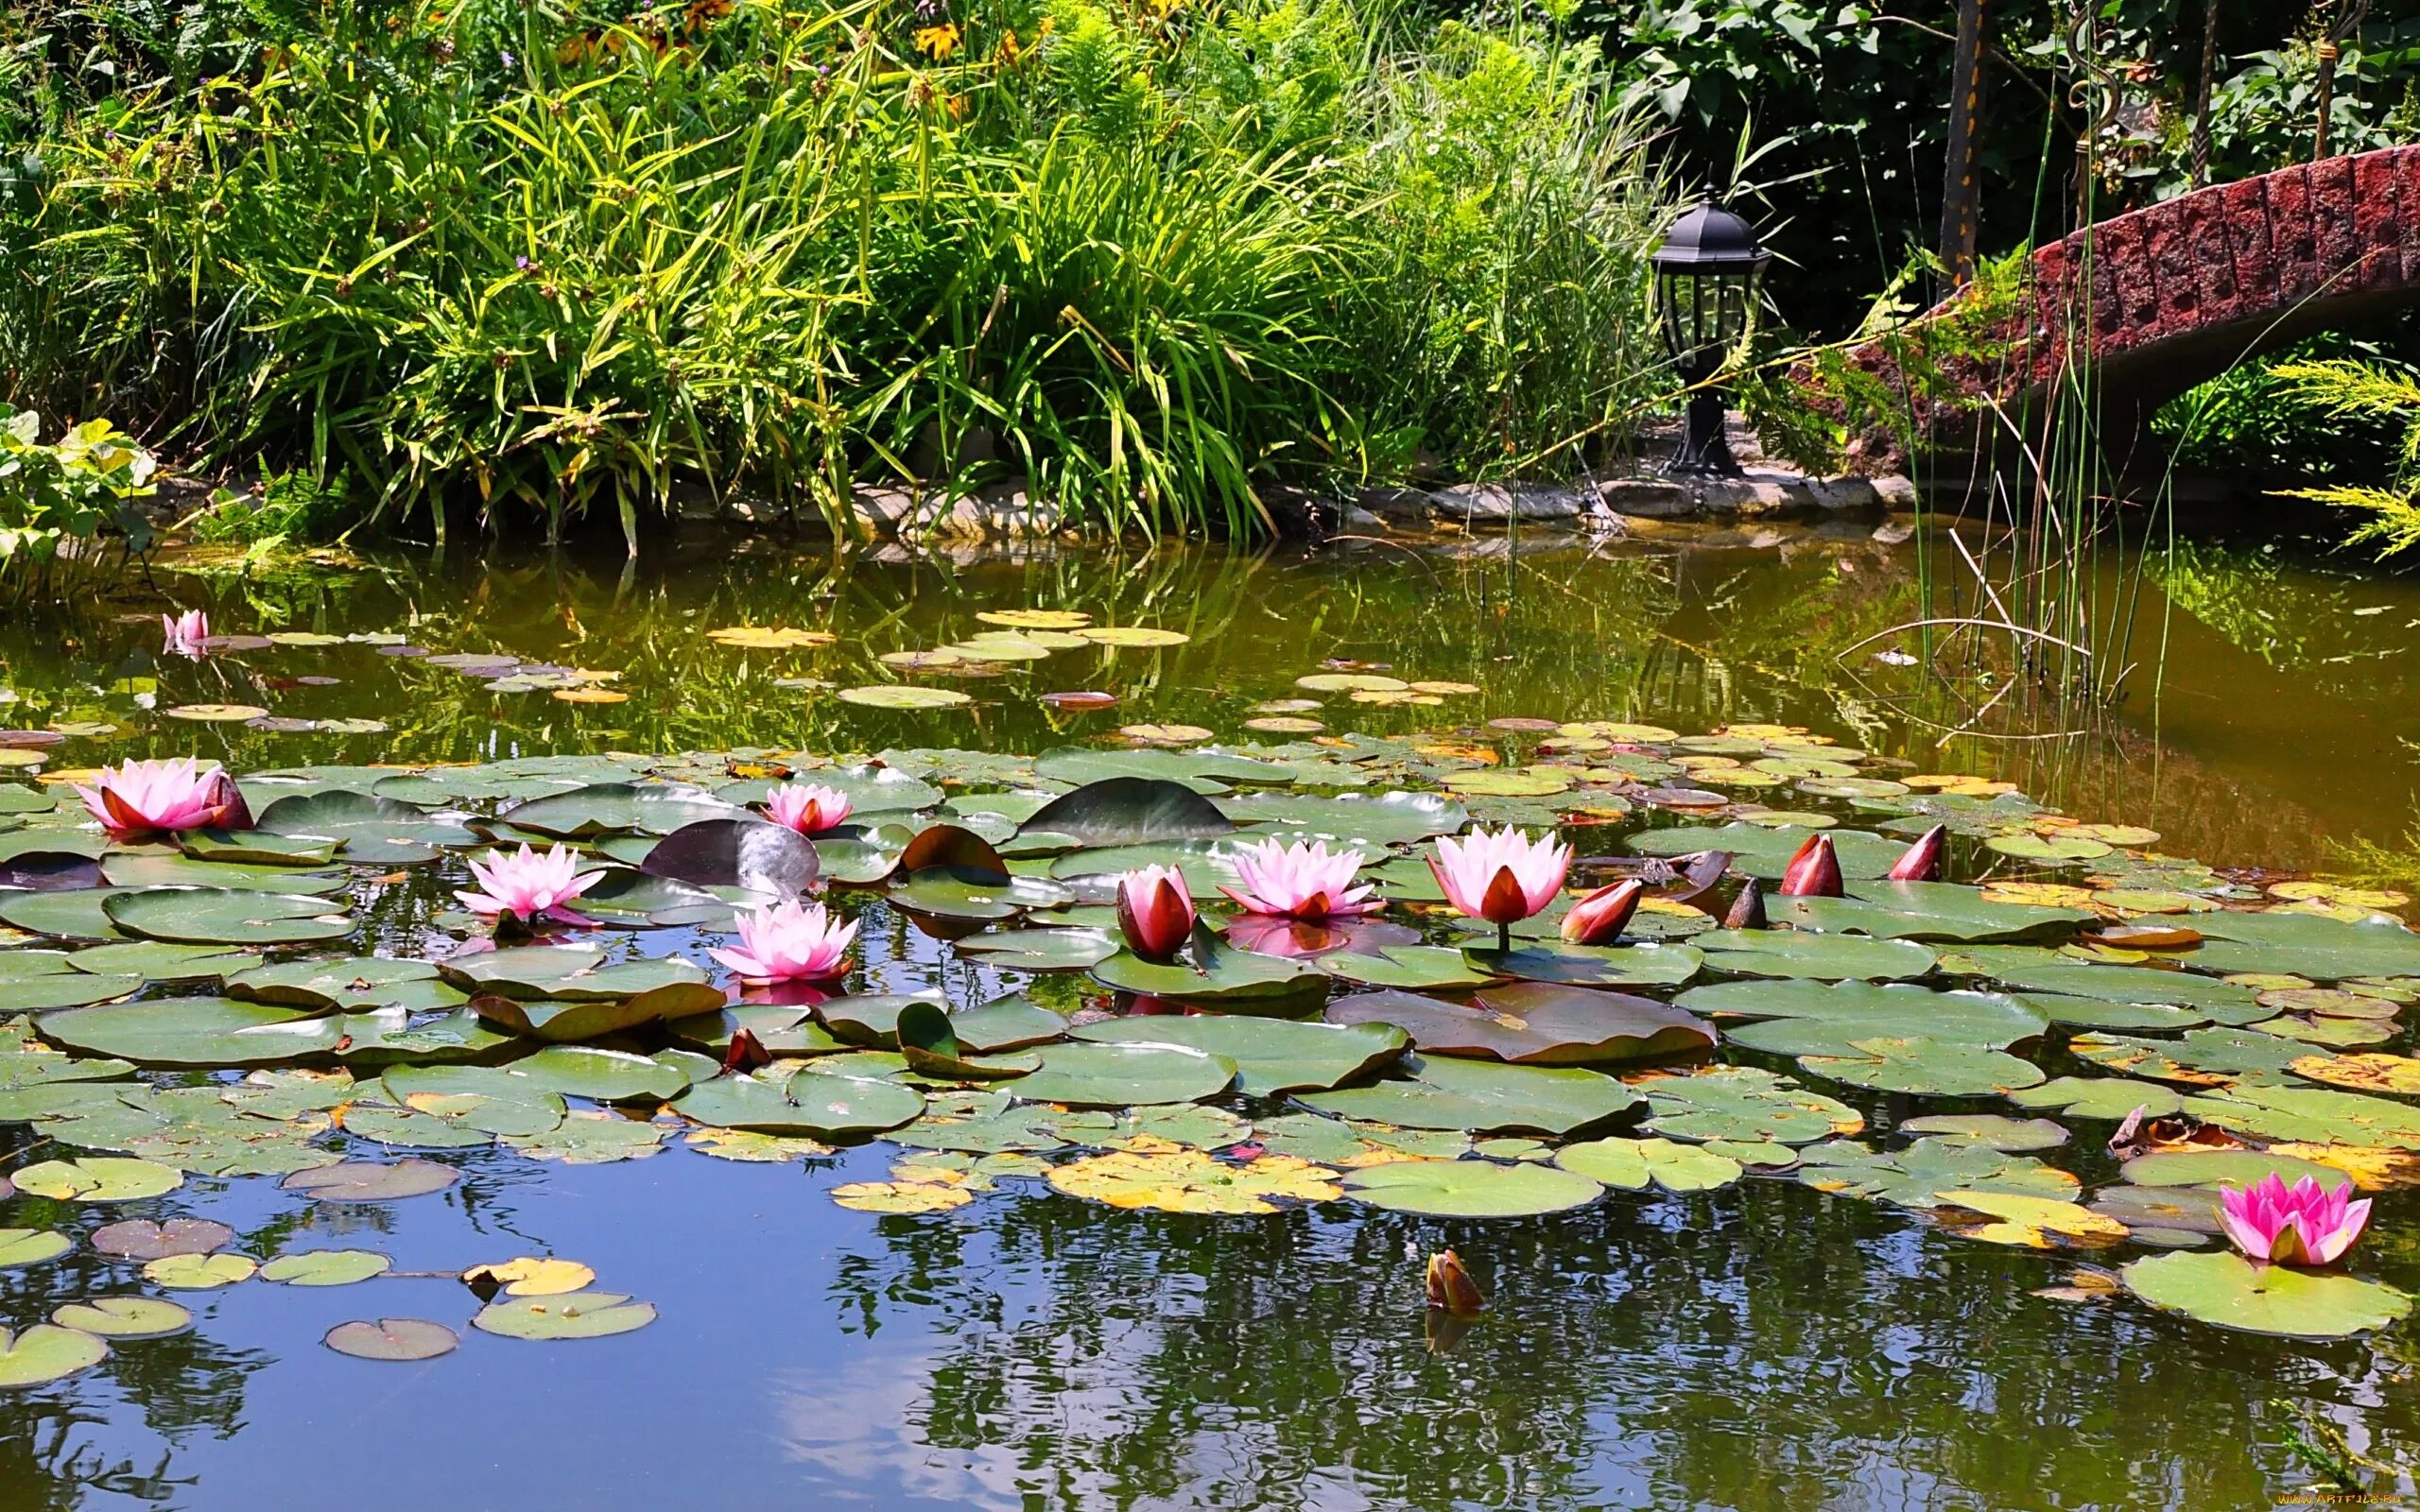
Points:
(2030, 1222)
(216, 713)
(534, 1276)
(199, 1273)
(98, 1178)
(768, 637)
(901, 1196)
(1187, 1180)
(901, 695)
(46, 1352)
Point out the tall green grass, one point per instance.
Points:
(1151, 260)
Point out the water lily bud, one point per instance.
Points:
(1921, 862)
(1600, 918)
(1814, 873)
(1748, 909)
(1450, 1286)
(747, 1053)
(1154, 912)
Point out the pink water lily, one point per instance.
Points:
(185, 634)
(151, 798)
(526, 885)
(1502, 875)
(790, 943)
(810, 808)
(1154, 911)
(1814, 871)
(1921, 862)
(1303, 881)
(1600, 918)
(2299, 1225)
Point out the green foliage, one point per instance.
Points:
(51, 492)
(2254, 418)
(1149, 262)
(281, 507)
(2340, 387)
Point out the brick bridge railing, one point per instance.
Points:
(2167, 296)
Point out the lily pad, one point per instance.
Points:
(1087, 1075)
(1926, 911)
(1803, 1018)
(576, 1316)
(326, 1267)
(821, 1107)
(1535, 1022)
(1633, 1165)
(2231, 1291)
(1443, 1092)
(1471, 1189)
(98, 1178)
(603, 1075)
(46, 1352)
(372, 831)
(1743, 1102)
(31, 1246)
(200, 1273)
(1923, 1067)
(372, 1180)
(2244, 1168)
(145, 1239)
(216, 916)
(1271, 1056)
(349, 984)
(1646, 964)
(1994, 1130)
(1811, 956)
(392, 1338)
(125, 1317)
(1188, 1180)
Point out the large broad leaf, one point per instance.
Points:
(1366, 821)
(2096, 1013)
(1117, 811)
(1817, 957)
(1412, 967)
(603, 1075)
(783, 1029)
(573, 975)
(569, 1022)
(2244, 1168)
(1924, 1067)
(1484, 1098)
(1647, 964)
(2227, 1002)
(1271, 1056)
(211, 915)
(2101, 1097)
(346, 985)
(1809, 1018)
(578, 1315)
(1216, 974)
(871, 1019)
(63, 989)
(1924, 910)
(194, 1032)
(1537, 1023)
(736, 852)
(604, 808)
(2234, 1292)
(2200, 1058)
(1765, 852)
(1085, 1074)
(184, 871)
(370, 831)
(1201, 770)
(1743, 1102)
(1914, 1177)
(1040, 950)
(46, 1352)
(943, 892)
(1633, 1165)
(2323, 949)
(1470, 1189)
(823, 1106)
(2311, 1114)
(870, 789)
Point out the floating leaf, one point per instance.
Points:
(825, 1106)
(1470, 1189)
(577, 1315)
(1535, 1022)
(1817, 957)
(1271, 1056)
(2233, 1293)
(392, 1338)
(1088, 1074)
(1187, 1180)
(326, 1267)
(1806, 1018)
(904, 695)
(31, 1246)
(1743, 1102)
(1992, 1130)
(1924, 1068)
(144, 1239)
(533, 1276)
(901, 1197)
(98, 1178)
(1926, 910)
(1646, 964)
(199, 1273)
(1631, 1164)
(124, 1317)
(372, 1180)
(2031, 1223)
(46, 1352)
(1484, 1098)
(2201, 1168)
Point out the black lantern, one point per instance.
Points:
(1706, 273)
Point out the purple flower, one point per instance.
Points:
(507, 59)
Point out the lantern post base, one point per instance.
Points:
(1704, 450)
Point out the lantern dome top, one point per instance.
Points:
(1710, 239)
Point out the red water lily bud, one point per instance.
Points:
(747, 1053)
(1154, 912)
(1814, 873)
(1450, 1287)
(1600, 918)
(227, 808)
(1921, 862)
(1748, 909)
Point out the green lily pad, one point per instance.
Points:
(209, 1032)
(31, 1246)
(592, 1139)
(326, 1267)
(214, 916)
(871, 1019)
(2196, 1057)
(2310, 945)
(1412, 967)
(161, 961)
(2225, 1002)
(392, 1338)
(184, 871)
(572, 1315)
(1803, 1018)
(1041, 950)
(603, 808)
(903, 697)
(1365, 821)
(1994, 1130)
(939, 892)
(1743, 1102)
(98, 1178)
(1086, 1075)
(1194, 768)
(1470, 1189)
(200, 1273)
(2103, 1097)
(350, 984)
(258, 849)
(783, 1030)
(46, 1352)
(2234, 1292)
(1816, 957)
(1271, 1056)
(600, 1074)
(124, 1317)
(1923, 1067)
(1218, 974)
(63, 989)
(1914, 1177)
(869, 789)
(821, 1107)
(1924, 910)
(1537, 1023)
(2201, 1168)
(2049, 850)
(371, 830)
(1123, 810)
(62, 915)
(1646, 964)
(1760, 852)
(2311, 1114)
(2097, 1013)
(1633, 1164)
(1480, 1096)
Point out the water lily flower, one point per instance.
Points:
(525, 886)
(1814, 873)
(1503, 876)
(185, 634)
(810, 808)
(1748, 909)
(1600, 917)
(1922, 861)
(1154, 911)
(2299, 1225)
(1300, 881)
(150, 798)
(790, 943)
(1450, 1287)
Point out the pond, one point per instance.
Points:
(1802, 1323)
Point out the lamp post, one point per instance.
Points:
(1706, 273)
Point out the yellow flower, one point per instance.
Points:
(938, 42)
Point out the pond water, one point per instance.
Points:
(1761, 1344)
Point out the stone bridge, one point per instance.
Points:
(2167, 297)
